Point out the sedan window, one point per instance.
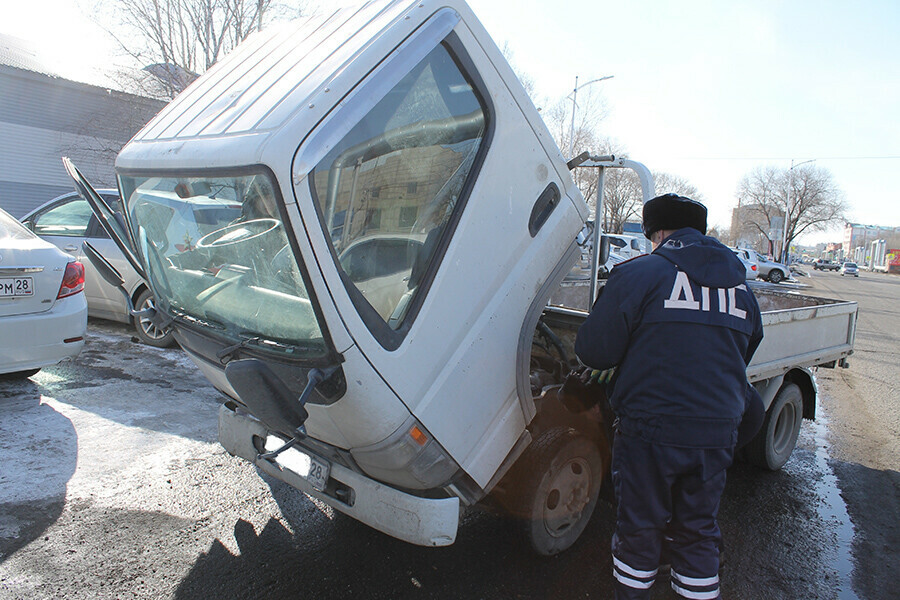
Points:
(69, 219)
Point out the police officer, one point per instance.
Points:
(682, 326)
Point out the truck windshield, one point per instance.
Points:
(217, 257)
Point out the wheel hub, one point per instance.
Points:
(569, 493)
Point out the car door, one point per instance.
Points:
(63, 224)
(66, 224)
(106, 300)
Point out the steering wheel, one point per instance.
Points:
(235, 233)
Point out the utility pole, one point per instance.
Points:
(787, 208)
(574, 105)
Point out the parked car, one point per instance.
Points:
(849, 268)
(825, 265)
(629, 246)
(765, 268)
(612, 261)
(66, 222)
(772, 271)
(43, 312)
(752, 269)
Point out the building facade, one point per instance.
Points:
(858, 238)
(44, 117)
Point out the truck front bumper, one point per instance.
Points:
(421, 521)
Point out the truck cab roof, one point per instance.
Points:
(264, 99)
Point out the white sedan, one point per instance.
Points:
(66, 222)
(43, 311)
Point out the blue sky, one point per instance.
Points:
(706, 90)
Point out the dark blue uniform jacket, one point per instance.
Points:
(681, 325)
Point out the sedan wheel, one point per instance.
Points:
(148, 332)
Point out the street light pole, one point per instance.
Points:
(787, 208)
(574, 105)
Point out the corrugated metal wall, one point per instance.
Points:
(43, 118)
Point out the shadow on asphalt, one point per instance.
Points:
(38, 455)
(320, 555)
(351, 560)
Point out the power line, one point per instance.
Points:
(888, 157)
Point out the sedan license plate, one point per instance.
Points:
(16, 286)
(312, 468)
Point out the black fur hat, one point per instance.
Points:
(671, 211)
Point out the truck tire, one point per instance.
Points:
(147, 331)
(776, 439)
(557, 485)
(775, 276)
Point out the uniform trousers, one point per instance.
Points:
(667, 491)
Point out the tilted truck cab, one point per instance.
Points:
(382, 156)
(355, 224)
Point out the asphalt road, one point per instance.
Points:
(112, 486)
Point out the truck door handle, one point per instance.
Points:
(543, 206)
(71, 248)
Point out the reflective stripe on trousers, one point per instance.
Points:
(695, 588)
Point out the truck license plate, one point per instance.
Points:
(16, 286)
(312, 468)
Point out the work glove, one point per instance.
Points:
(582, 391)
(604, 376)
(574, 393)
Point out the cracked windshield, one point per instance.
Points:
(217, 255)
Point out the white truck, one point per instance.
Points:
(377, 318)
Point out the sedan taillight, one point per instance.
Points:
(73, 280)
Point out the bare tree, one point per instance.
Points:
(591, 112)
(623, 197)
(807, 197)
(525, 79)
(721, 234)
(177, 40)
(102, 127)
(558, 118)
(667, 183)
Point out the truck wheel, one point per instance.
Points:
(149, 333)
(775, 276)
(773, 445)
(558, 487)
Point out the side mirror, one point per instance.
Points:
(266, 395)
(603, 250)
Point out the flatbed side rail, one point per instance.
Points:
(807, 336)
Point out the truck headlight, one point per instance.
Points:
(410, 458)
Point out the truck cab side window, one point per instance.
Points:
(407, 161)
